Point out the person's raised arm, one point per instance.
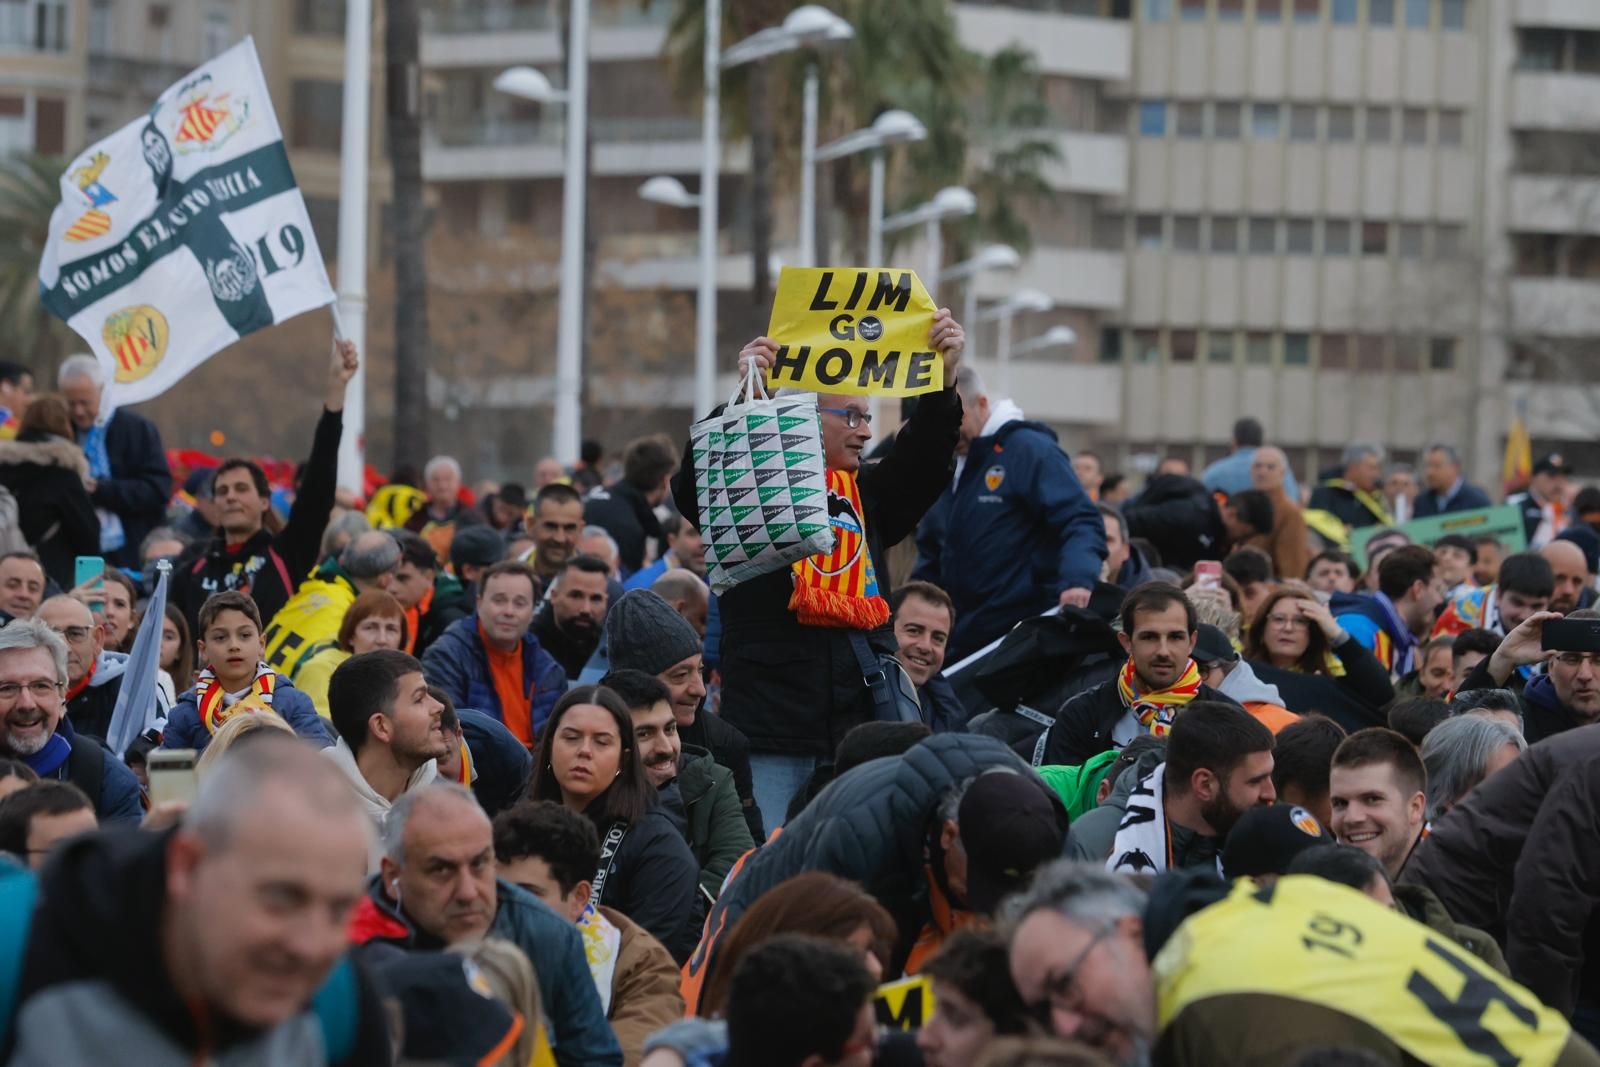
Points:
(301, 539)
(1521, 647)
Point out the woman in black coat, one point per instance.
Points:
(45, 470)
(1294, 643)
(587, 762)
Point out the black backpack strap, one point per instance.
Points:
(86, 768)
(609, 847)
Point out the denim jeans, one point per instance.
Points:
(775, 779)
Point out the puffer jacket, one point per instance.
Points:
(500, 764)
(459, 664)
(868, 826)
(654, 879)
(797, 689)
(1517, 858)
(1178, 516)
(718, 834)
(185, 730)
(54, 513)
(92, 709)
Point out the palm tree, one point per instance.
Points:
(29, 192)
(412, 344)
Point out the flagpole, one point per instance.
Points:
(350, 313)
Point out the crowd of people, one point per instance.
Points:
(1068, 775)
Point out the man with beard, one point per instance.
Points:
(568, 622)
(1218, 765)
(555, 524)
(693, 785)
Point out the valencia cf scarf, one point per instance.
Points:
(1156, 710)
(214, 709)
(840, 588)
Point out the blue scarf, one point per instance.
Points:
(49, 759)
(112, 535)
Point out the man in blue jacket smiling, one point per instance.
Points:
(1015, 533)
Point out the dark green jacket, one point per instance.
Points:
(1420, 903)
(718, 833)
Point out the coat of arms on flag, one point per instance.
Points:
(182, 232)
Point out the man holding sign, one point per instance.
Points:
(791, 678)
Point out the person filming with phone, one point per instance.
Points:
(1567, 694)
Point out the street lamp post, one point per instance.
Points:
(1054, 337)
(890, 128)
(530, 84)
(950, 202)
(989, 257)
(352, 252)
(1002, 314)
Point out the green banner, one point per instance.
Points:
(1503, 523)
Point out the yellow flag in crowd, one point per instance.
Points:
(857, 330)
(1518, 465)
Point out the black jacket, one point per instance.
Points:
(501, 765)
(1517, 858)
(1337, 498)
(1355, 701)
(730, 748)
(1084, 724)
(98, 920)
(140, 484)
(570, 650)
(54, 512)
(654, 879)
(870, 826)
(452, 602)
(269, 567)
(1180, 518)
(1543, 714)
(798, 689)
(624, 513)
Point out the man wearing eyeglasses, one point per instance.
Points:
(94, 675)
(34, 727)
(1565, 696)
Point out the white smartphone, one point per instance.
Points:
(172, 776)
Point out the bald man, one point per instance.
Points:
(1288, 543)
(1573, 579)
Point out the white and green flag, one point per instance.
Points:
(182, 232)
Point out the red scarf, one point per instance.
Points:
(83, 683)
(840, 588)
(209, 694)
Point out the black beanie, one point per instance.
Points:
(643, 633)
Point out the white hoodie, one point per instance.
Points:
(1000, 413)
(376, 806)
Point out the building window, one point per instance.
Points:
(1258, 349)
(1341, 123)
(1302, 122)
(1269, 10)
(1146, 346)
(1108, 231)
(1191, 120)
(1156, 10)
(1380, 125)
(1185, 233)
(1184, 345)
(316, 114)
(217, 31)
(1453, 14)
(1219, 347)
(1307, 10)
(1540, 49)
(1335, 237)
(1344, 12)
(100, 27)
(1301, 237)
(1152, 118)
(1148, 231)
(1410, 240)
(1333, 352)
(1446, 241)
(321, 17)
(1264, 236)
(1374, 238)
(1419, 13)
(1230, 10)
(1225, 120)
(1442, 353)
(158, 15)
(1380, 12)
(1110, 344)
(35, 25)
(1452, 126)
(1266, 121)
(1225, 236)
(1192, 10)
(1369, 353)
(1414, 126)
(1296, 349)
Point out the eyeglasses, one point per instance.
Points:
(74, 633)
(852, 418)
(1061, 990)
(41, 691)
(1288, 622)
(1576, 659)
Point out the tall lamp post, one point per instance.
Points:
(989, 257)
(890, 128)
(951, 202)
(352, 252)
(1002, 314)
(529, 84)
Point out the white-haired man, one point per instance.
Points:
(445, 512)
(129, 480)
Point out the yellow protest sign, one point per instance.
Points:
(906, 1004)
(857, 330)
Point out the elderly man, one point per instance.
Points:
(1233, 473)
(797, 713)
(1447, 488)
(445, 512)
(131, 960)
(1355, 497)
(129, 480)
(1288, 543)
(438, 888)
(94, 676)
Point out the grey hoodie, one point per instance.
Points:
(1242, 685)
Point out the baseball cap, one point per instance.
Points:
(1265, 839)
(449, 1009)
(1213, 646)
(1010, 825)
(477, 546)
(1552, 463)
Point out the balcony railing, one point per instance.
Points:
(465, 16)
(463, 133)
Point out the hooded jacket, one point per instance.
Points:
(1517, 858)
(1341, 500)
(268, 566)
(309, 621)
(1093, 834)
(46, 475)
(798, 689)
(578, 1032)
(375, 804)
(1543, 714)
(624, 513)
(1179, 517)
(91, 710)
(185, 730)
(1084, 725)
(712, 733)
(94, 988)
(1259, 698)
(1012, 531)
(870, 826)
(704, 796)
(458, 663)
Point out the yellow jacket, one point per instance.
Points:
(309, 622)
(315, 673)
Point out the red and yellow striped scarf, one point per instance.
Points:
(214, 711)
(1156, 710)
(840, 588)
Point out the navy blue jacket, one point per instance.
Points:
(501, 764)
(107, 780)
(1469, 498)
(458, 663)
(140, 484)
(1014, 532)
(185, 730)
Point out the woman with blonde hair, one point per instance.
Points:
(234, 732)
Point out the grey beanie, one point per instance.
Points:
(643, 633)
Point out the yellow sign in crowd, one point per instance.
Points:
(854, 330)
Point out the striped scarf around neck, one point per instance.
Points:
(214, 709)
(1155, 710)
